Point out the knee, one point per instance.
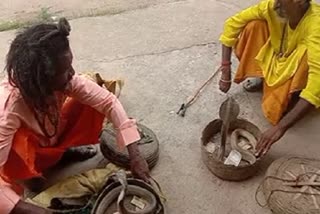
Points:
(257, 24)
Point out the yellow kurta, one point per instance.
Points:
(304, 39)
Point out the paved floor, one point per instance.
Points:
(164, 50)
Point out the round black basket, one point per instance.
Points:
(106, 202)
(215, 165)
(148, 146)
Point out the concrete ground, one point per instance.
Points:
(164, 50)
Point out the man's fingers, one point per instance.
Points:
(224, 86)
(144, 176)
(265, 150)
(221, 87)
(261, 146)
(224, 90)
(268, 147)
(141, 174)
(259, 152)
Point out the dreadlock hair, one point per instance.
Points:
(31, 64)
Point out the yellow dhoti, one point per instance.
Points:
(275, 99)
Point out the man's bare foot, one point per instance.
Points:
(253, 84)
(80, 153)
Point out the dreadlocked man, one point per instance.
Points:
(277, 43)
(38, 124)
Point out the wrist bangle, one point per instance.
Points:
(226, 63)
(225, 81)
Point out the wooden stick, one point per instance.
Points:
(304, 188)
(302, 183)
(314, 199)
(192, 99)
(291, 175)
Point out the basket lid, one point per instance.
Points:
(148, 146)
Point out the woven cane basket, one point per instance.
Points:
(216, 166)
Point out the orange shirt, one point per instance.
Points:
(14, 113)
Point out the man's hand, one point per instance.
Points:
(268, 138)
(27, 208)
(275, 133)
(225, 80)
(139, 166)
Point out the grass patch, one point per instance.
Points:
(46, 15)
(11, 25)
(43, 16)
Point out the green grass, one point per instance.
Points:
(11, 25)
(44, 15)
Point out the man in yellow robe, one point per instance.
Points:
(277, 43)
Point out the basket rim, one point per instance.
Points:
(211, 156)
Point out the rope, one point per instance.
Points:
(279, 190)
(297, 180)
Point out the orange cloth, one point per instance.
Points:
(29, 152)
(28, 159)
(275, 99)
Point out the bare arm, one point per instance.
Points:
(105, 102)
(225, 79)
(226, 53)
(89, 93)
(275, 133)
(232, 29)
(297, 113)
(226, 62)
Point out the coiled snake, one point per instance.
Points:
(247, 155)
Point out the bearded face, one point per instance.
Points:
(287, 8)
(281, 7)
